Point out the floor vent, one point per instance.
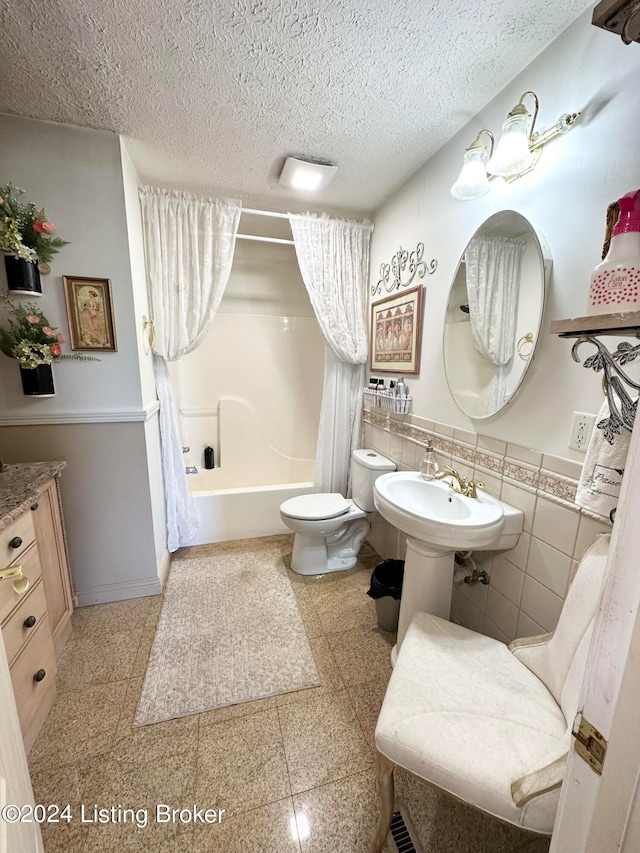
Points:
(401, 835)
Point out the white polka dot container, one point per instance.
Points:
(615, 283)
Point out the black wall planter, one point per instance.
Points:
(38, 382)
(23, 277)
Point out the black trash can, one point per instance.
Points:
(386, 590)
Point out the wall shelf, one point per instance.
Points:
(587, 330)
(627, 324)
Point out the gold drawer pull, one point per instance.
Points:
(20, 583)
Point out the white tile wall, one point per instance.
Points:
(532, 457)
(549, 567)
(528, 583)
(502, 612)
(492, 630)
(519, 555)
(521, 499)
(507, 579)
(492, 444)
(556, 525)
(542, 605)
(526, 626)
(464, 612)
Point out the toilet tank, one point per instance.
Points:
(366, 467)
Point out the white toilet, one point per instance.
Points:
(329, 528)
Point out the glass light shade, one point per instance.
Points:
(512, 156)
(472, 181)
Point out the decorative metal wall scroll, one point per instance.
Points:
(622, 407)
(391, 275)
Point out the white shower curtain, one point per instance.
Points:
(493, 277)
(333, 255)
(189, 245)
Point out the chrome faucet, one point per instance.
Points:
(191, 469)
(459, 483)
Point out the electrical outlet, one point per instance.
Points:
(581, 430)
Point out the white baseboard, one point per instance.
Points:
(118, 591)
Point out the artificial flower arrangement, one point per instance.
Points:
(30, 339)
(25, 231)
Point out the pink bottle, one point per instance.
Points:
(615, 283)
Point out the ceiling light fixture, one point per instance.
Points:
(306, 175)
(516, 154)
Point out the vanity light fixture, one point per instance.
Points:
(516, 154)
(473, 181)
(306, 175)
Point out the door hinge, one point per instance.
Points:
(589, 744)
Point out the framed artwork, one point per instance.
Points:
(396, 333)
(90, 313)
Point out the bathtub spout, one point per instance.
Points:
(191, 469)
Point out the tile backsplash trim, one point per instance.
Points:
(543, 481)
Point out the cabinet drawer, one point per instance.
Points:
(37, 655)
(14, 630)
(9, 598)
(16, 538)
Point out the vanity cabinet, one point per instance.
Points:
(35, 622)
(47, 519)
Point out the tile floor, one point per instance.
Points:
(294, 773)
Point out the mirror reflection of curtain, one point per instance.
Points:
(493, 267)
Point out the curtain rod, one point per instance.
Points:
(264, 239)
(271, 213)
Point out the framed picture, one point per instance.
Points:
(396, 333)
(90, 313)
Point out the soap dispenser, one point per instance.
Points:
(429, 466)
(615, 283)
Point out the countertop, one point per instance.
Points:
(18, 484)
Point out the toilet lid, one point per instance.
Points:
(315, 507)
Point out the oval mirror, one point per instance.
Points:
(494, 314)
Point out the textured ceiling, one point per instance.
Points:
(215, 93)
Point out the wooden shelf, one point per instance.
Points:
(602, 324)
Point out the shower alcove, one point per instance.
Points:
(252, 391)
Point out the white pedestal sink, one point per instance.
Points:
(438, 522)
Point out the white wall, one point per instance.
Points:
(105, 501)
(265, 347)
(76, 175)
(565, 198)
(133, 215)
(131, 182)
(99, 420)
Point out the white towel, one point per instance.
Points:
(599, 486)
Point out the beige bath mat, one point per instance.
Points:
(229, 632)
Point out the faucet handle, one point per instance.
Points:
(472, 485)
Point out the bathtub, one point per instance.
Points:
(239, 513)
(241, 499)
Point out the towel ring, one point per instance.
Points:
(150, 334)
(523, 352)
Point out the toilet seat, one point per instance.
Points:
(316, 507)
